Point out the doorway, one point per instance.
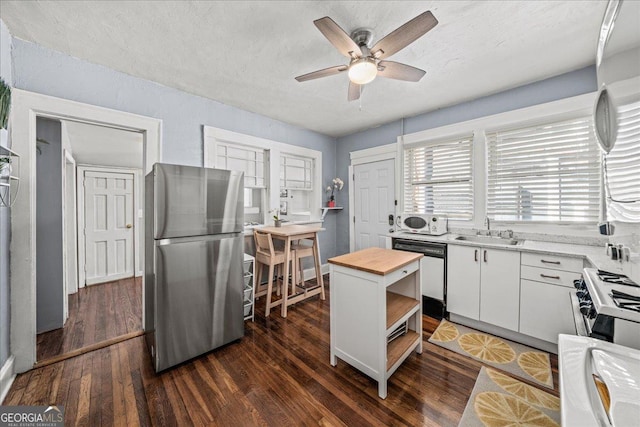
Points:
(374, 202)
(27, 106)
(98, 243)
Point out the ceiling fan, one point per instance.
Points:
(367, 62)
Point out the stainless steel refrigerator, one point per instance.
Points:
(193, 258)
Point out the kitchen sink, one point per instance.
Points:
(491, 240)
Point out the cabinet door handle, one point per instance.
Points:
(485, 255)
(549, 277)
(404, 271)
(550, 262)
(475, 256)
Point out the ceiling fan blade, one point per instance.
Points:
(322, 73)
(354, 91)
(398, 71)
(338, 37)
(404, 35)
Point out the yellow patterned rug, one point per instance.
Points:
(499, 400)
(518, 359)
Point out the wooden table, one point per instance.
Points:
(289, 233)
(375, 295)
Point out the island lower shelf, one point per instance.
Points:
(400, 347)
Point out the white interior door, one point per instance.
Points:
(374, 198)
(108, 204)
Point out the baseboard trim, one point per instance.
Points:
(6, 377)
(505, 333)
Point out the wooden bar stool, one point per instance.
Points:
(303, 250)
(266, 254)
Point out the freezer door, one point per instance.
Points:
(199, 294)
(192, 201)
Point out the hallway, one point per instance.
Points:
(96, 313)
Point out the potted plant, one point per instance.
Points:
(5, 166)
(5, 104)
(336, 185)
(276, 217)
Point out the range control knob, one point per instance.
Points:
(583, 295)
(585, 307)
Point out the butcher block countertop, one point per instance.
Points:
(376, 260)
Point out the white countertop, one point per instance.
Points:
(595, 255)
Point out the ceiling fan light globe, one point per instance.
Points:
(362, 71)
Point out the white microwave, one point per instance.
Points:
(435, 225)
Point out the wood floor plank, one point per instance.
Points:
(97, 313)
(278, 374)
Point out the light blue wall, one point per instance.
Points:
(5, 215)
(45, 71)
(49, 266)
(563, 86)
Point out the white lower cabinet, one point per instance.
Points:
(544, 310)
(463, 281)
(500, 288)
(484, 284)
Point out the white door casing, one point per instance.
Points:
(108, 205)
(26, 107)
(69, 228)
(374, 198)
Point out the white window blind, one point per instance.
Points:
(437, 178)
(549, 172)
(622, 167)
(249, 160)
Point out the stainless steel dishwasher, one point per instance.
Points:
(434, 273)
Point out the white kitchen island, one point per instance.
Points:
(375, 295)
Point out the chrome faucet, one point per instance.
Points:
(486, 232)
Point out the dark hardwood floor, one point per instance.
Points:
(278, 374)
(96, 313)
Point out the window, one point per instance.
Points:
(549, 172)
(277, 175)
(437, 178)
(296, 179)
(252, 162)
(295, 172)
(622, 167)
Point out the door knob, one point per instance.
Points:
(129, 225)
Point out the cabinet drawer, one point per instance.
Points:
(553, 262)
(545, 275)
(392, 278)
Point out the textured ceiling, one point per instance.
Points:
(246, 54)
(99, 145)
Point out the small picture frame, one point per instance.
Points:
(284, 206)
(284, 193)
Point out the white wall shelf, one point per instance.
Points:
(326, 209)
(9, 176)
